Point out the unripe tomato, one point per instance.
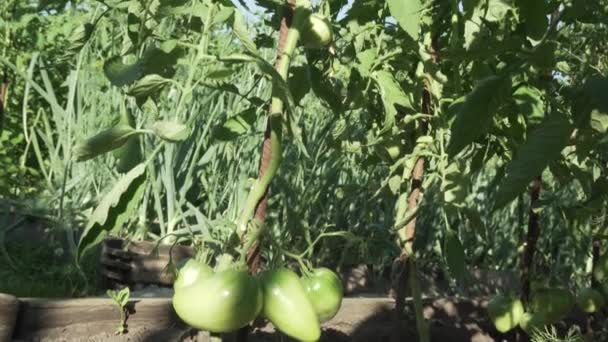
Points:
(553, 303)
(222, 302)
(590, 300)
(505, 312)
(190, 273)
(316, 32)
(324, 290)
(287, 306)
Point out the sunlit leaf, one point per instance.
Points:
(407, 13)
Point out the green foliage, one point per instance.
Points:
(121, 299)
(41, 270)
(543, 146)
(489, 95)
(114, 210)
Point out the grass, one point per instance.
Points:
(42, 271)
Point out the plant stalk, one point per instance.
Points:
(531, 239)
(257, 200)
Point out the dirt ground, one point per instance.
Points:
(360, 319)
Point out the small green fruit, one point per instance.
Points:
(590, 300)
(317, 32)
(505, 312)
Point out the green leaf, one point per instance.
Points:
(240, 30)
(236, 125)
(123, 297)
(529, 101)
(147, 86)
(104, 141)
(299, 85)
(171, 131)
(223, 13)
(279, 84)
(407, 13)
(392, 95)
(128, 155)
(534, 15)
(366, 59)
(454, 255)
(168, 45)
(590, 107)
(474, 115)
(454, 185)
(599, 122)
(219, 74)
(78, 38)
(121, 74)
(324, 89)
(394, 184)
(157, 61)
(543, 146)
(114, 210)
(478, 13)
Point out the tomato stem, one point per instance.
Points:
(270, 163)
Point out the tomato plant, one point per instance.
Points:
(429, 135)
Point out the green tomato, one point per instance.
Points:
(222, 302)
(324, 290)
(505, 312)
(531, 322)
(287, 306)
(553, 303)
(190, 273)
(590, 300)
(316, 33)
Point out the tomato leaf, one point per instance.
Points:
(590, 107)
(543, 146)
(239, 28)
(299, 84)
(392, 94)
(454, 185)
(104, 141)
(534, 15)
(121, 74)
(171, 131)
(236, 125)
(147, 86)
(407, 13)
(114, 210)
(529, 101)
(474, 116)
(454, 256)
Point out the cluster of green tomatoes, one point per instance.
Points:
(227, 300)
(547, 306)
